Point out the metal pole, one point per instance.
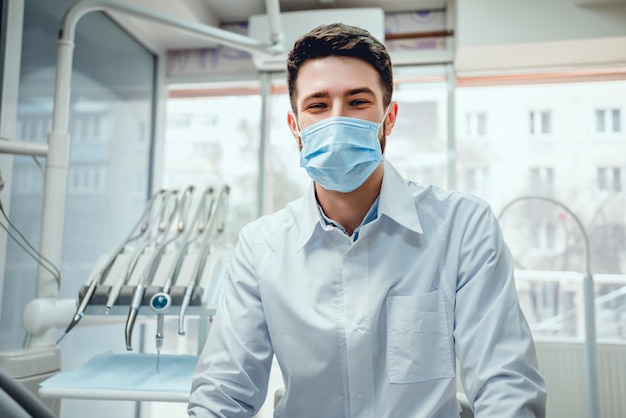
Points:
(263, 140)
(34, 149)
(451, 143)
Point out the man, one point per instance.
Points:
(369, 287)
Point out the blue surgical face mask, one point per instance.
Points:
(340, 153)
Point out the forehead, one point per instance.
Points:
(336, 75)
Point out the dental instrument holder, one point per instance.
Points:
(202, 304)
(162, 294)
(99, 298)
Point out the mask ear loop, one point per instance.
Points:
(297, 127)
(382, 122)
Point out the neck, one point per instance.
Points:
(349, 209)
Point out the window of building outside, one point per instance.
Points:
(476, 180)
(476, 124)
(112, 98)
(611, 179)
(579, 171)
(608, 121)
(540, 122)
(541, 180)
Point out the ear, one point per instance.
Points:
(293, 126)
(390, 120)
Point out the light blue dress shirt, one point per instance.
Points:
(371, 328)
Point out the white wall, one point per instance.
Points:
(506, 35)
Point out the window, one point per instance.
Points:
(545, 241)
(418, 144)
(611, 178)
(33, 127)
(204, 148)
(87, 127)
(541, 180)
(476, 124)
(608, 120)
(540, 122)
(476, 180)
(28, 178)
(86, 179)
(544, 238)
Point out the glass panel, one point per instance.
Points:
(530, 180)
(286, 180)
(418, 145)
(112, 90)
(210, 141)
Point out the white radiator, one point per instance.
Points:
(563, 366)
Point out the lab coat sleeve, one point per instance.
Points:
(493, 342)
(231, 377)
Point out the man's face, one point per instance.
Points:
(336, 86)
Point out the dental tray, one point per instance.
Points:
(111, 376)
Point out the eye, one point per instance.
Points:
(359, 102)
(316, 106)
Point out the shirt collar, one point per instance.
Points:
(371, 215)
(395, 202)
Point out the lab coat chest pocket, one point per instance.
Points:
(418, 347)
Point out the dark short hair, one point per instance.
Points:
(342, 40)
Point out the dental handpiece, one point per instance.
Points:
(139, 293)
(142, 226)
(80, 312)
(212, 226)
(144, 237)
(119, 283)
(148, 273)
(183, 225)
(160, 303)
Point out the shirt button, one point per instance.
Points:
(359, 395)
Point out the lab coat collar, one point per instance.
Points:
(311, 217)
(396, 202)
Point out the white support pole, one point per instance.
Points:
(263, 203)
(273, 12)
(35, 149)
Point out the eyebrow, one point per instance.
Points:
(360, 90)
(353, 92)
